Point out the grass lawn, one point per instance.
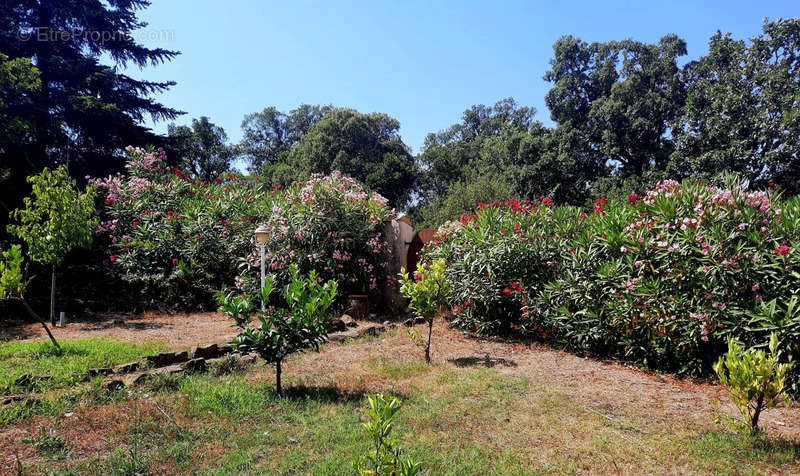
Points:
(68, 365)
(520, 411)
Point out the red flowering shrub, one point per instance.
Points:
(662, 279)
(174, 239)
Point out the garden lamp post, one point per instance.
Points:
(262, 234)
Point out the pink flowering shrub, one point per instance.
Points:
(661, 279)
(330, 224)
(173, 239)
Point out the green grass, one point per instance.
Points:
(68, 365)
(455, 420)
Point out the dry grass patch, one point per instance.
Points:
(482, 408)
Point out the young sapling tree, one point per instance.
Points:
(755, 380)
(301, 322)
(56, 218)
(13, 283)
(428, 292)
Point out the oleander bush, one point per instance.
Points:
(174, 239)
(661, 279)
(330, 224)
(177, 240)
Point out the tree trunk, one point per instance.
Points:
(278, 378)
(756, 415)
(36, 316)
(53, 297)
(428, 346)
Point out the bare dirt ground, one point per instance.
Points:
(609, 388)
(179, 330)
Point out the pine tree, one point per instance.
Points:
(82, 112)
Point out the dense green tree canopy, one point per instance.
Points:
(79, 112)
(494, 149)
(618, 99)
(269, 135)
(742, 109)
(201, 149)
(366, 147)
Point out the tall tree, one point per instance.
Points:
(201, 149)
(499, 151)
(487, 139)
(269, 135)
(82, 112)
(742, 108)
(366, 147)
(613, 102)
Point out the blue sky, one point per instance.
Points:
(421, 62)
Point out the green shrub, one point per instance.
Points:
(329, 224)
(301, 323)
(176, 240)
(385, 457)
(428, 292)
(661, 279)
(755, 381)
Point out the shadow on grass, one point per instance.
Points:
(729, 445)
(326, 394)
(482, 361)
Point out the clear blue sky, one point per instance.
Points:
(422, 62)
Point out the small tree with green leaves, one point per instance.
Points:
(300, 323)
(55, 219)
(427, 292)
(754, 380)
(385, 457)
(13, 283)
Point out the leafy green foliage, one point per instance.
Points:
(755, 380)
(201, 149)
(618, 98)
(175, 239)
(428, 292)
(19, 82)
(739, 112)
(56, 219)
(460, 198)
(300, 323)
(366, 147)
(11, 280)
(329, 224)
(385, 458)
(77, 105)
(269, 135)
(493, 148)
(662, 279)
